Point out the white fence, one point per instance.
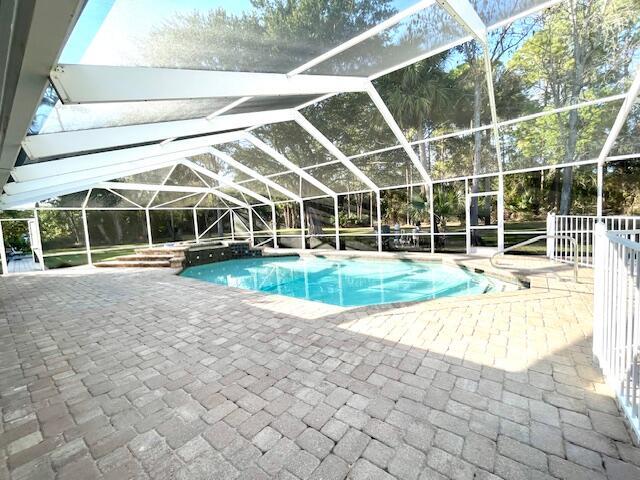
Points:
(616, 329)
(582, 228)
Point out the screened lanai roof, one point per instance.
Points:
(224, 103)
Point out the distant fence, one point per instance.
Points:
(582, 229)
(616, 328)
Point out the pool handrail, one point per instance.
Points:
(536, 239)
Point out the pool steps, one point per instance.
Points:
(182, 255)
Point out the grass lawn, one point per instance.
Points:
(74, 257)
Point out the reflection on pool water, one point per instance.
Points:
(346, 282)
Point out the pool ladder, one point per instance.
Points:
(536, 239)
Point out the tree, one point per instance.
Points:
(275, 36)
(582, 49)
(417, 97)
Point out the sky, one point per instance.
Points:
(108, 21)
(135, 16)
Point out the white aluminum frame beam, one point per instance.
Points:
(215, 176)
(85, 176)
(277, 156)
(253, 174)
(101, 84)
(397, 131)
(460, 41)
(391, 21)
(65, 143)
(72, 169)
(150, 187)
(175, 200)
(124, 198)
(19, 193)
(37, 31)
(326, 143)
(621, 118)
(464, 13)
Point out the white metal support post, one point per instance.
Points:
(195, 224)
(627, 105)
(87, 241)
(303, 236)
(274, 225)
(379, 214)
(36, 217)
(467, 216)
(250, 213)
(337, 221)
(149, 235)
(466, 15)
(496, 139)
(551, 230)
(86, 236)
(432, 219)
(600, 186)
(500, 213)
(232, 220)
(3, 253)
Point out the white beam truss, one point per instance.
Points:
(175, 200)
(464, 13)
(220, 178)
(38, 190)
(228, 107)
(53, 145)
(363, 36)
(90, 161)
(253, 174)
(277, 156)
(465, 39)
(169, 188)
(103, 173)
(101, 84)
(326, 143)
(397, 131)
(19, 193)
(220, 218)
(164, 182)
(128, 200)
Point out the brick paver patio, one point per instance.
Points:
(140, 374)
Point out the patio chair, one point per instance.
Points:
(13, 252)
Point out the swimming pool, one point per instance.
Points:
(346, 282)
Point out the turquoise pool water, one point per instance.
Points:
(345, 282)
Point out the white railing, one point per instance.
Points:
(582, 229)
(616, 328)
(534, 240)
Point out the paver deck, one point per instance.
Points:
(118, 374)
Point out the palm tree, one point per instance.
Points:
(416, 95)
(447, 202)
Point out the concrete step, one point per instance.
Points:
(142, 258)
(134, 264)
(172, 251)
